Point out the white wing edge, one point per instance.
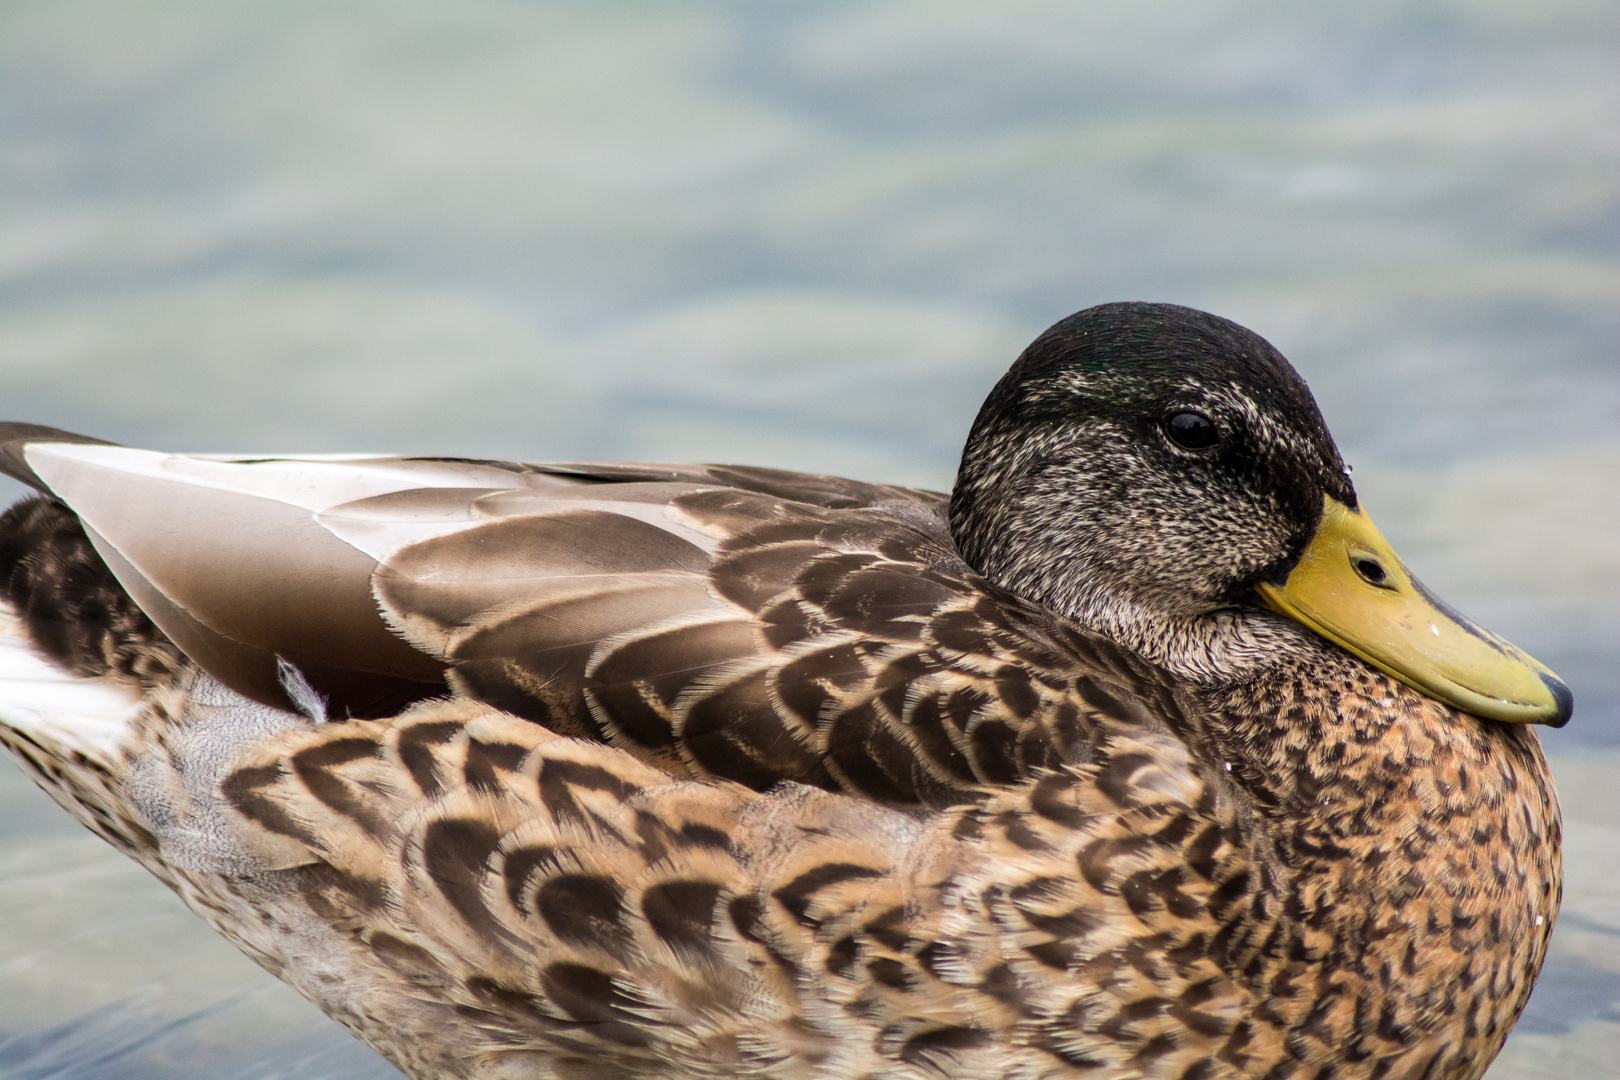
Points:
(313, 482)
(327, 485)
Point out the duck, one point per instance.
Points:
(1139, 755)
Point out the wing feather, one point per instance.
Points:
(746, 624)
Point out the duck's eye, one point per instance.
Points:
(1192, 430)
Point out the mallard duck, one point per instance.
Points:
(1141, 755)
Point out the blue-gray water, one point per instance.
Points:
(810, 236)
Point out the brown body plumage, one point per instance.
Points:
(714, 771)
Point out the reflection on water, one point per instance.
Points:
(811, 237)
(1572, 993)
(136, 1039)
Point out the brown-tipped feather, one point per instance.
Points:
(843, 646)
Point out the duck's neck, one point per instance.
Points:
(1318, 734)
(1414, 846)
(1225, 648)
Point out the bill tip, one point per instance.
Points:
(1562, 699)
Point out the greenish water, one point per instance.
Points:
(809, 236)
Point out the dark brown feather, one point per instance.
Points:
(73, 607)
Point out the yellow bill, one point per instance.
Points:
(1350, 587)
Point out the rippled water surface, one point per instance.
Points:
(809, 236)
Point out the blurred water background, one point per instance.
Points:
(809, 236)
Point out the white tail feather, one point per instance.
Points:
(95, 717)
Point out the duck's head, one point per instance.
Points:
(1163, 475)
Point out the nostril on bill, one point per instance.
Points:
(1371, 571)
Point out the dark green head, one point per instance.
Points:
(1142, 462)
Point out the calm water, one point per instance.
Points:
(811, 238)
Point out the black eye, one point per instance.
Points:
(1192, 430)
